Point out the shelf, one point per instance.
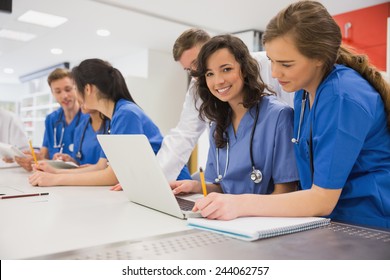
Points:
(34, 109)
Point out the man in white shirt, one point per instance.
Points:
(12, 131)
(177, 146)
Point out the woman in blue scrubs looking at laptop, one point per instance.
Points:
(341, 126)
(103, 88)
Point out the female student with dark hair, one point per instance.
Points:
(103, 88)
(341, 126)
(86, 149)
(250, 148)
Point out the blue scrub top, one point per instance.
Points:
(351, 147)
(56, 121)
(273, 152)
(129, 118)
(85, 136)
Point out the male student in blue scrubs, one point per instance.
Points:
(60, 124)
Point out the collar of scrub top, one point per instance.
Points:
(296, 140)
(255, 175)
(61, 120)
(303, 107)
(79, 154)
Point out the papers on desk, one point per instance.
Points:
(253, 228)
(4, 164)
(11, 151)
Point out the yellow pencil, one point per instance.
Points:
(202, 181)
(33, 152)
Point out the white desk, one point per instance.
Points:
(96, 223)
(71, 218)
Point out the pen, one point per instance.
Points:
(61, 149)
(23, 195)
(33, 152)
(201, 174)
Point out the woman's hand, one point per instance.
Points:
(43, 179)
(45, 167)
(117, 187)
(63, 157)
(25, 162)
(220, 206)
(8, 159)
(186, 186)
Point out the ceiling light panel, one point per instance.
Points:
(103, 32)
(8, 70)
(16, 35)
(43, 19)
(56, 51)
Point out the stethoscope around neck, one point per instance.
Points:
(255, 175)
(79, 154)
(303, 106)
(61, 120)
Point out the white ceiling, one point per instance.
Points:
(135, 25)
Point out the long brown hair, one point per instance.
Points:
(317, 36)
(214, 109)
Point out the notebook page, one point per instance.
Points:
(252, 228)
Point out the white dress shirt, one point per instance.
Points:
(11, 130)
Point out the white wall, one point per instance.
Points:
(12, 92)
(161, 94)
(10, 95)
(135, 64)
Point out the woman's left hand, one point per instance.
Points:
(43, 179)
(117, 187)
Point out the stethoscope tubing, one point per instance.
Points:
(254, 170)
(60, 120)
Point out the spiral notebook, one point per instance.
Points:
(254, 228)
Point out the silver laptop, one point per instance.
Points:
(136, 167)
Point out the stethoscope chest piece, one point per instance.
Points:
(218, 179)
(256, 176)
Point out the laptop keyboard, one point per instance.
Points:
(185, 205)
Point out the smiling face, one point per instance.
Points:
(224, 78)
(64, 92)
(293, 70)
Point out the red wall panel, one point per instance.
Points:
(368, 32)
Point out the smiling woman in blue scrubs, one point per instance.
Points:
(250, 137)
(341, 126)
(103, 88)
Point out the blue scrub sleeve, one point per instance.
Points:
(284, 168)
(46, 143)
(130, 123)
(340, 129)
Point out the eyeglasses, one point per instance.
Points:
(191, 68)
(188, 71)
